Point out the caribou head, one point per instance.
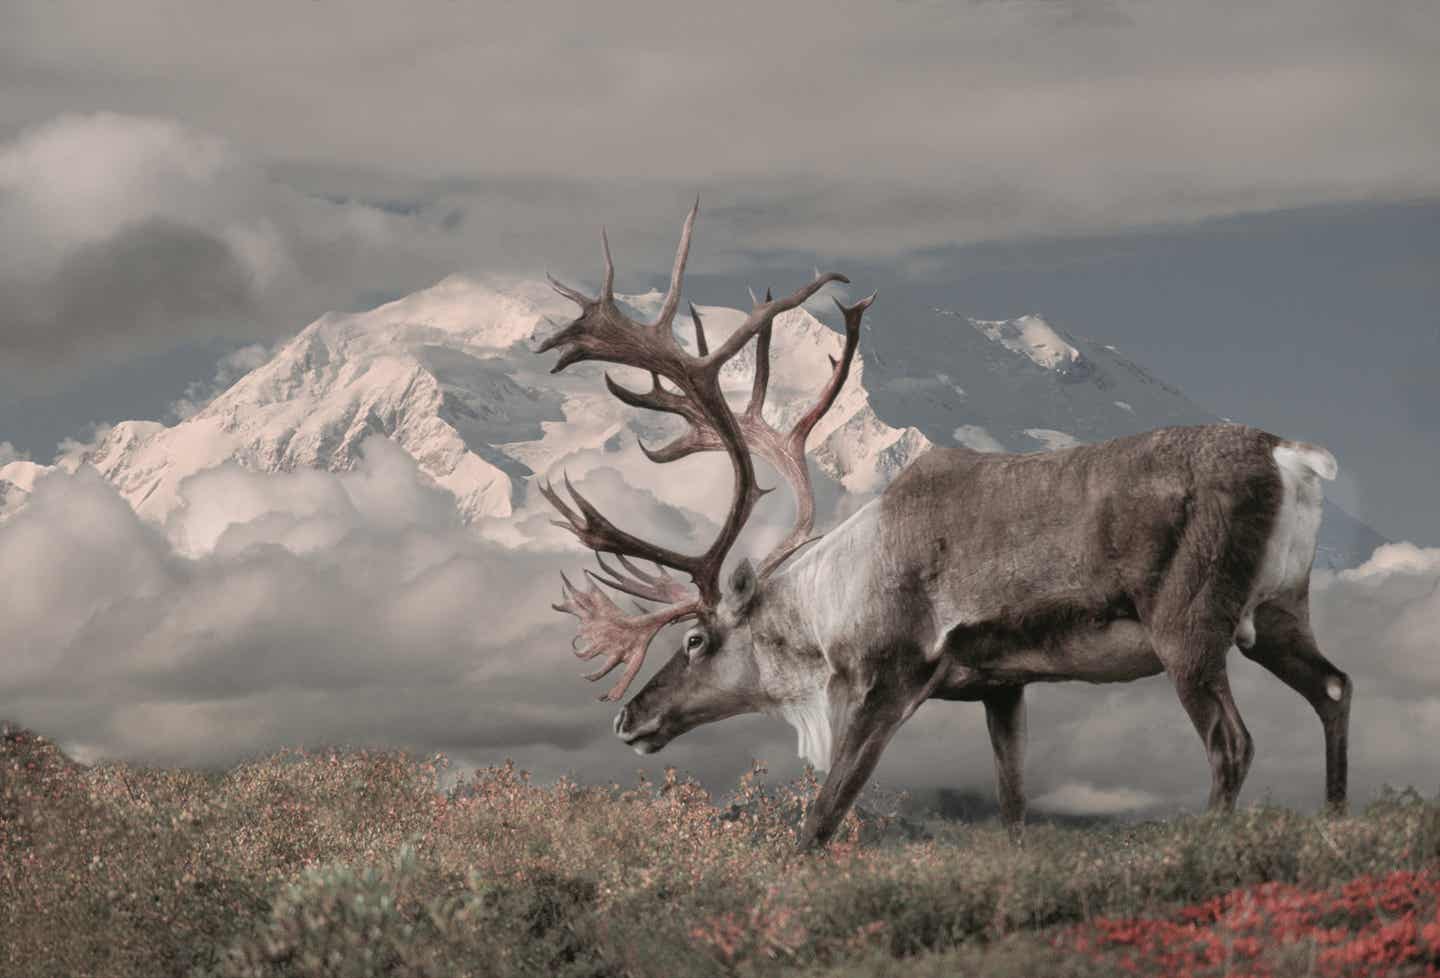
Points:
(715, 674)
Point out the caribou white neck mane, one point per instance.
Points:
(811, 582)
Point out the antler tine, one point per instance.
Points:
(607, 290)
(765, 313)
(579, 298)
(701, 345)
(762, 372)
(840, 368)
(606, 630)
(789, 461)
(597, 532)
(661, 574)
(677, 274)
(663, 588)
(695, 439)
(700, 436)
(573, 519)
(618, 690)
(656, 398)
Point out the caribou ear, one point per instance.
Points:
(743, 582)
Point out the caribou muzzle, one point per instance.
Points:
(644, 737)
(660, 712)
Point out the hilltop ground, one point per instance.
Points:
(353, 864)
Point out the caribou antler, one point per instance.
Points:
(605, 629)
(604, 333)
(785, 451)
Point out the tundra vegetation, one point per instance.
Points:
(357, 863)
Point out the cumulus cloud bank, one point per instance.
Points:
(320, 607)
(298, 608)
(311, 608)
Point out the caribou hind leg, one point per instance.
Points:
(1285, 645)
(1228, 744)
(1194, 658)
(1005, 717)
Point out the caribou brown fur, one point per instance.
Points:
(976, 574)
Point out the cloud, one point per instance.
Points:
(894, 128)
(8, 454)
(121, 234)
(312, 607)
(974, 436)
(232, 367)
(148, 279)
(1390, 603)
(1076, 798)
(1052, 440)
(306, 608)
(78, 179)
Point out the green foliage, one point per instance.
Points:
(402, 919)
(355, 863)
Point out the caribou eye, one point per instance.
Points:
(694, 641)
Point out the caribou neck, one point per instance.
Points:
(791, 662)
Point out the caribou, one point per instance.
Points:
(971, 576)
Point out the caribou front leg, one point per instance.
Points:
(868, 726)
(865, 719)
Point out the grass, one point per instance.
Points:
(353, 864)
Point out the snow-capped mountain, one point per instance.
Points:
(448, 374)
(430, 371)
(17, 478)
(1025, 385)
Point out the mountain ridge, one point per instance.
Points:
(449, 375)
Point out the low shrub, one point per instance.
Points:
(355, 863)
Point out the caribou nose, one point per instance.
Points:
(620, 719)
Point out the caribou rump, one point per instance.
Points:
(969, 577)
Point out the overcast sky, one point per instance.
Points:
(1245, 197)
(1241, 195)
